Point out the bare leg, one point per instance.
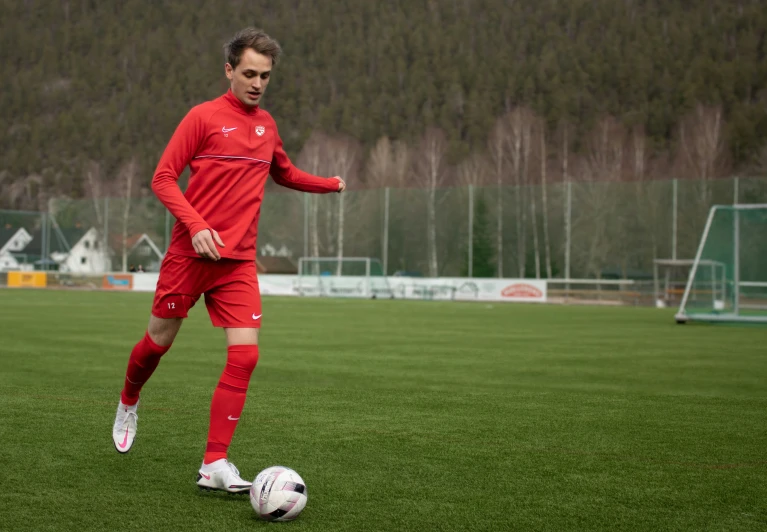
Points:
(241, 336)
(163, 331)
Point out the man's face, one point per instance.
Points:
(250, 78)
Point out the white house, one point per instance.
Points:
(85, 256)
(12, 241)
(144, 252)
(8, 263)
(74, 250)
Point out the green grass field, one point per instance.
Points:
(399, 416)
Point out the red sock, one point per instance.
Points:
(141, 364)
(229, 399)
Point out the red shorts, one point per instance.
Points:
(230, 287)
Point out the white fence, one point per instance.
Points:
(444, 288)
(568, 291)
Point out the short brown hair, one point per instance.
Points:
(251, 38)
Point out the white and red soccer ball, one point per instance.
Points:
(278, 494)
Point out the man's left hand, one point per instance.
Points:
(341, 184)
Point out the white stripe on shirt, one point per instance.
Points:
(231, 157)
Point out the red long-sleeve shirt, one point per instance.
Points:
(231, 149)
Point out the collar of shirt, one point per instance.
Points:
(238, 105)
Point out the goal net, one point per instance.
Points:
(728, 278)
(342, 277)
(670, 284)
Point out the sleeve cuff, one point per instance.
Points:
(196, 228)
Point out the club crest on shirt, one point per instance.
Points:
(260, 130)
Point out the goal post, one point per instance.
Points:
(361, 277)
(669, 288)
(728, 278)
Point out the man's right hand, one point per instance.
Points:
(204, 244)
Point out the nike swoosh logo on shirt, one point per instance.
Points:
(255, 317)
(230, 418)
(225, 129)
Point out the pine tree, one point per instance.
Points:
(118, 77)
(483, 261)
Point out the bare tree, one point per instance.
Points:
(515, 140)
(653, 200)
(97, 195)
(519, 135)
(634, 223)
(127, 175)
(605, 159)
(388, 166)
(95, 187)
(702, 155)
(401, 157)
(343, 158)
(379, 171)
(544, 196)
(759, 164)
(568, 197)
(475, 170)
(5, 183)
(510, 147)
(528, 120)
(702, 145)
(498, 148)
(431, 173)
(23, 192)
(639, 152)
(310, 160)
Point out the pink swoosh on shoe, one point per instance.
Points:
(125, 440)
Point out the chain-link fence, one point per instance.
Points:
(563, 230)
(83, 236)
(575, 230)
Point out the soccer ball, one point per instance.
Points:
(278, 494)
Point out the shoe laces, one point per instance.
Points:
(124, 417)
(233, 468)
(128, 416)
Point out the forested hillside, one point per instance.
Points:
(92, 90)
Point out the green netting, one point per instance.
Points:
(345, 277)
(728, 281)
(585, 229)
(349, 267)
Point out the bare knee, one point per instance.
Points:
(163, 331)
(241, 336)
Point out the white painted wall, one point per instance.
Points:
(86, 256)
(17, 242)
(8, 262)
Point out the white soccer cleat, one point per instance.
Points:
(124, 430)
(223, 476)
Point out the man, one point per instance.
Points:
(231, 146)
